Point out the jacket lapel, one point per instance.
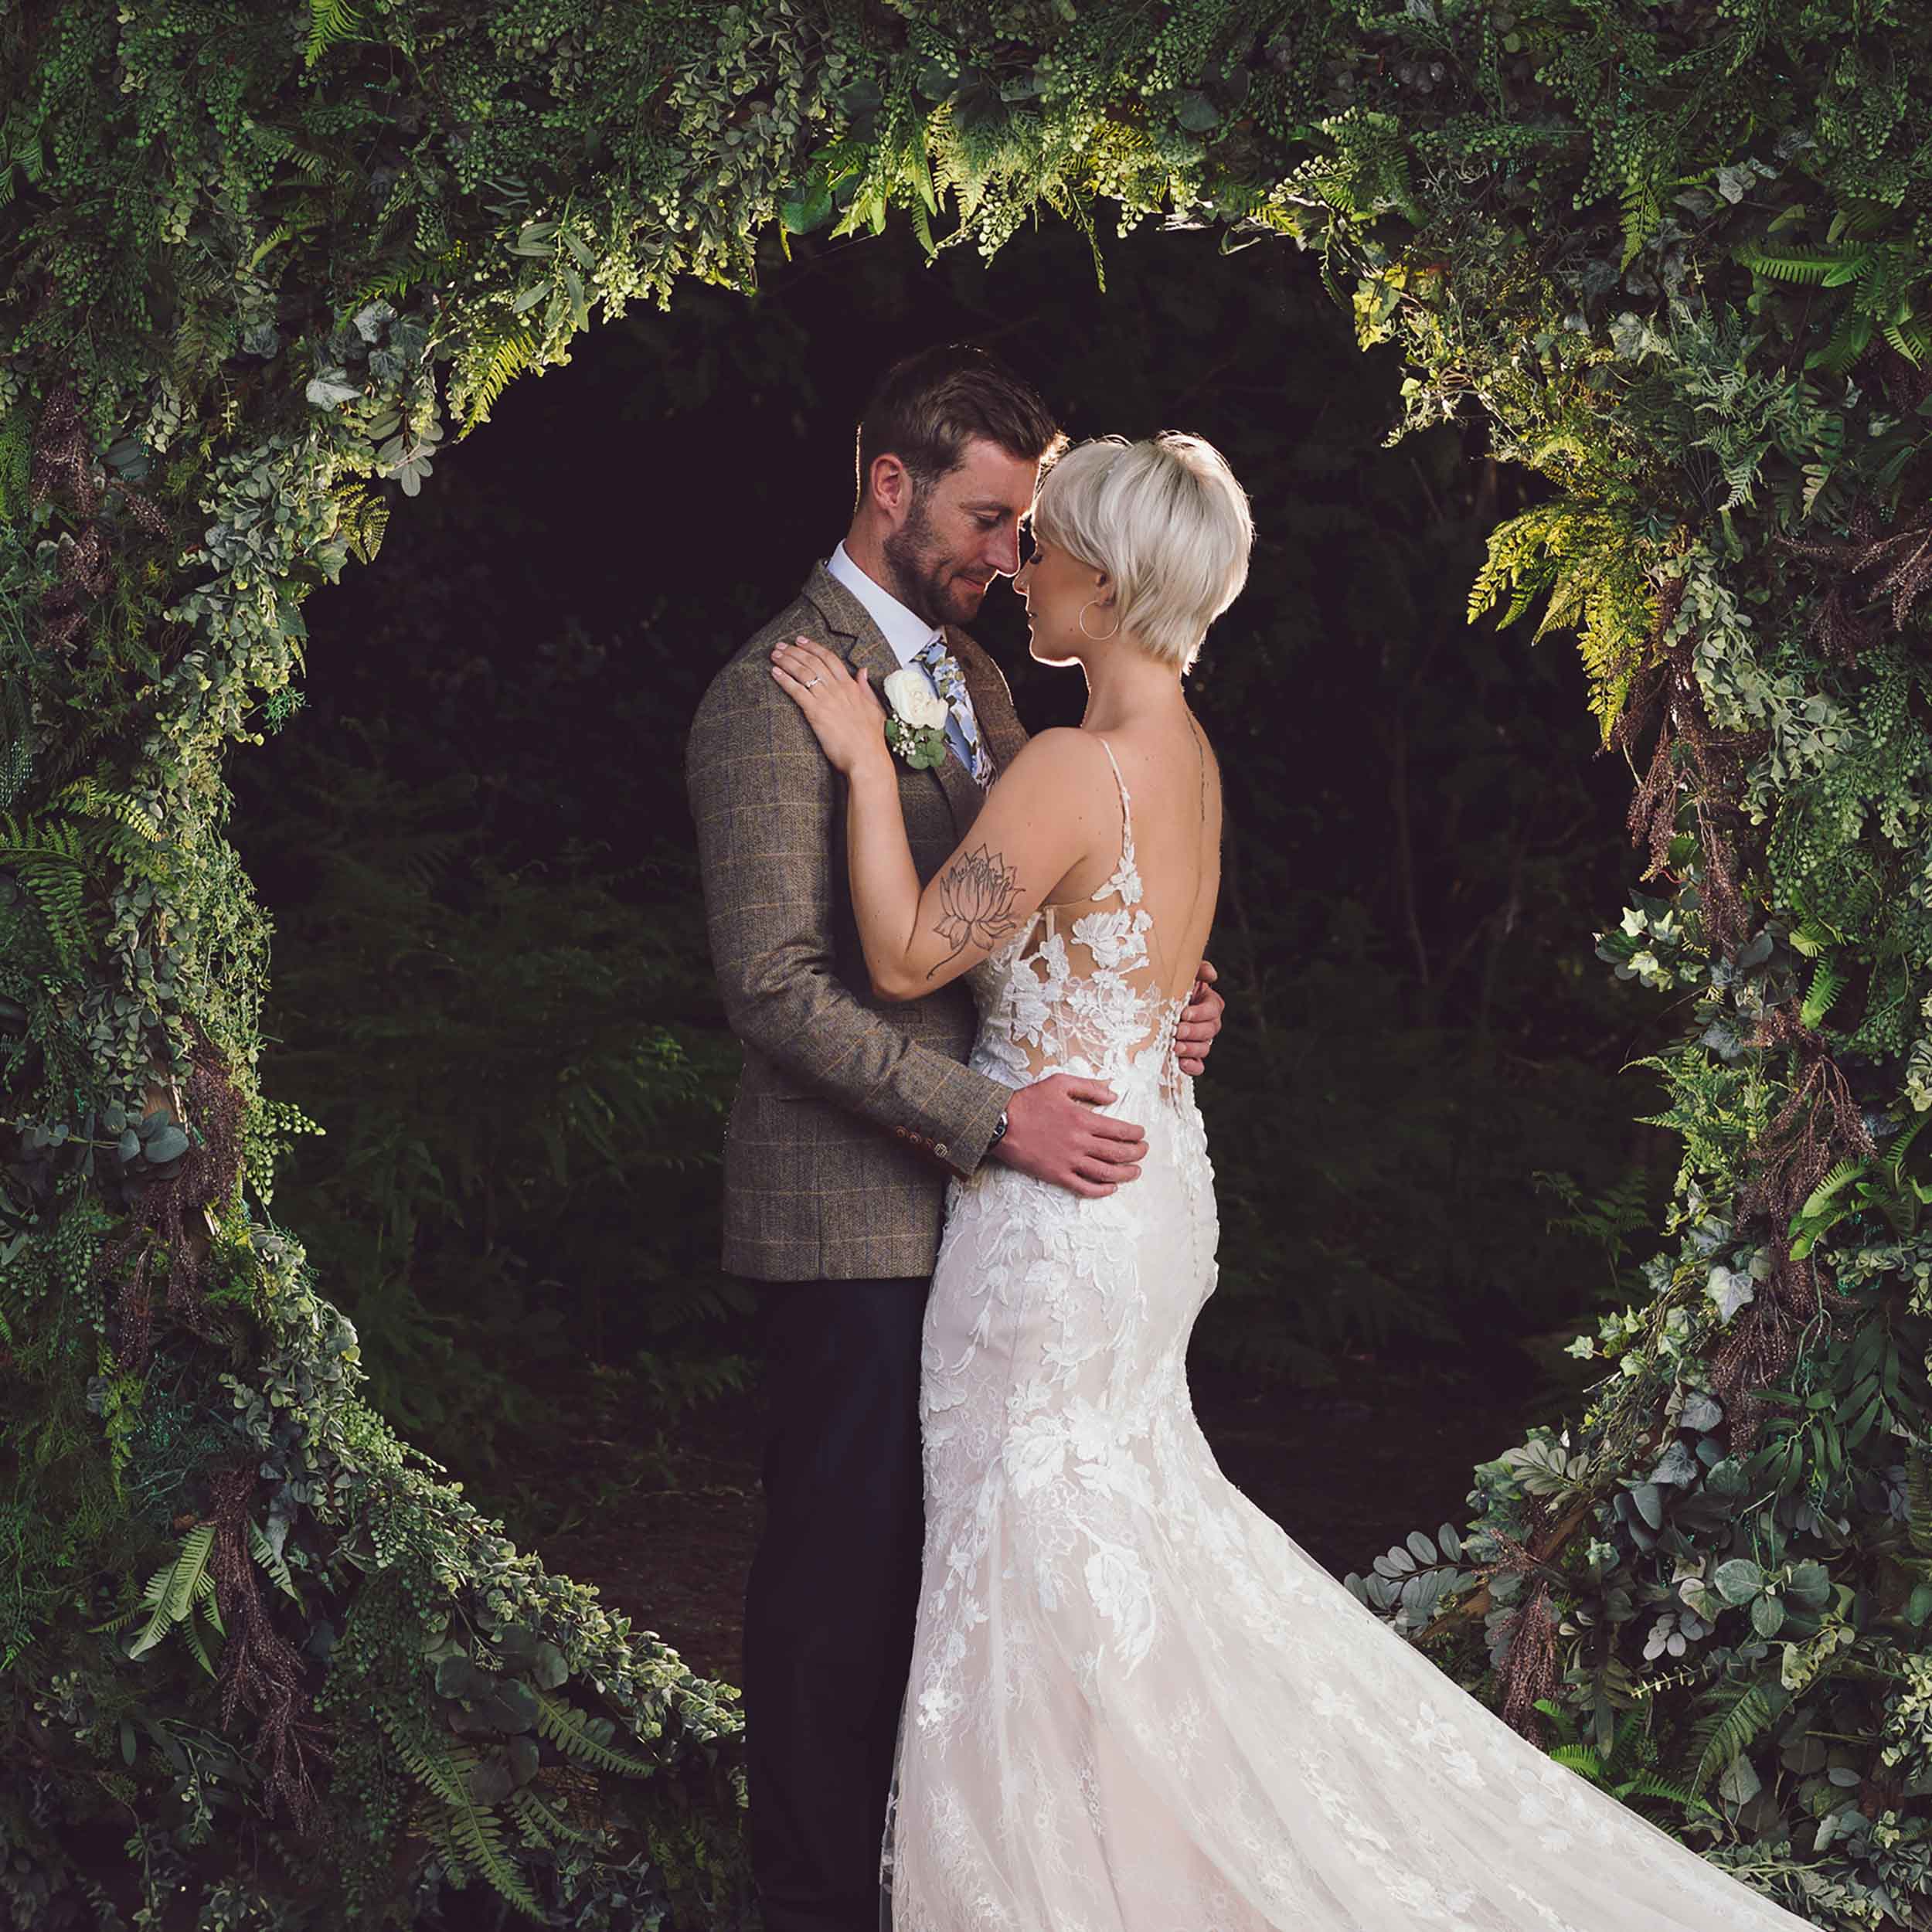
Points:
(962, 791)
(862, 644)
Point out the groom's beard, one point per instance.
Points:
(924, 578)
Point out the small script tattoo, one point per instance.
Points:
(978, 891)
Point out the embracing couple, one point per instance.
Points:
(1017, 1655)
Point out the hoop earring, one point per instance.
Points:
(1081, 621)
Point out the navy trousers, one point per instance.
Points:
(833, 1592)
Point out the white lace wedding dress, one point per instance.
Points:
(1137, 1705)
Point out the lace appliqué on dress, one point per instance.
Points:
(1136, 1704)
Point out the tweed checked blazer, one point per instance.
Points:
(851, 1110)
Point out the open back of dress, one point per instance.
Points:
(1080, 990)
(1136, 1704)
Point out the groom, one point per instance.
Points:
(852, 1110)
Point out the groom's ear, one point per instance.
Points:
(889, 485)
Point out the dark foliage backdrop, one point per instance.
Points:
(476, 846)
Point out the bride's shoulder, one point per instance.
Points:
(1058, 752)
(1058, 772)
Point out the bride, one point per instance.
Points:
(1136, 1704)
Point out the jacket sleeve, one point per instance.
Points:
(766, 804)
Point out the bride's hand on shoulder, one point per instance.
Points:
(842, 710)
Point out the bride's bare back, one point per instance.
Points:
(1168, 768)
(1091, 976)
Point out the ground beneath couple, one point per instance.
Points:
(666, 1536)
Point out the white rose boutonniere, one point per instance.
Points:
(917, 729)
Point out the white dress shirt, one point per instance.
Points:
(905, 630)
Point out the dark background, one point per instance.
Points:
(490, 985)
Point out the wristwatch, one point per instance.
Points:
(999, 1128)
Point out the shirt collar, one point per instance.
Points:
(905, 630)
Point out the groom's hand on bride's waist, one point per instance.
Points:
(1199, 1023)
(1054, 1134)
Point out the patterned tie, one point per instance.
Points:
(950, 681)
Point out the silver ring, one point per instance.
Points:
(810, 682)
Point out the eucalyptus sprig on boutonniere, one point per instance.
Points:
(917, 729)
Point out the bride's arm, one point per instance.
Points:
(1033, 829)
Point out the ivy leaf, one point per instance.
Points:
(1700, 1411)
(1730, 1291)
(330, 386)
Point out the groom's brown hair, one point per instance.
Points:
(929, 405)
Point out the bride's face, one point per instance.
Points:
(1057, 586)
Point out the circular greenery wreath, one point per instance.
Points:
(260, 258)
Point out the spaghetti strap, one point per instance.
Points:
(1126, 815)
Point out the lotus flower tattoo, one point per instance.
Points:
(978, 890)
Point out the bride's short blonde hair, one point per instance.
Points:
(1166, 519)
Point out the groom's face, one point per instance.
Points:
(948, 547)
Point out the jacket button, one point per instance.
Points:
(940, 1149)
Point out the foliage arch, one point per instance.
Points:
(263, 259)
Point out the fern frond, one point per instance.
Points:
(1648, 1784)
(1642, 207)
(1912, 340)
(1848, 341)
(264, 1553)
(1814, 268)
(84, 798)
(477, 1833)
(1840, 1177)
(471, 1834)
(566, 1727)
(171, 1590)
(363, 519)
(1721, 1737)
(1827, 983)
(1918, 1499)
(541, 1823)
(487, 364)
(330, 23)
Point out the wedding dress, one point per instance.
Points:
(1136, 1704)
